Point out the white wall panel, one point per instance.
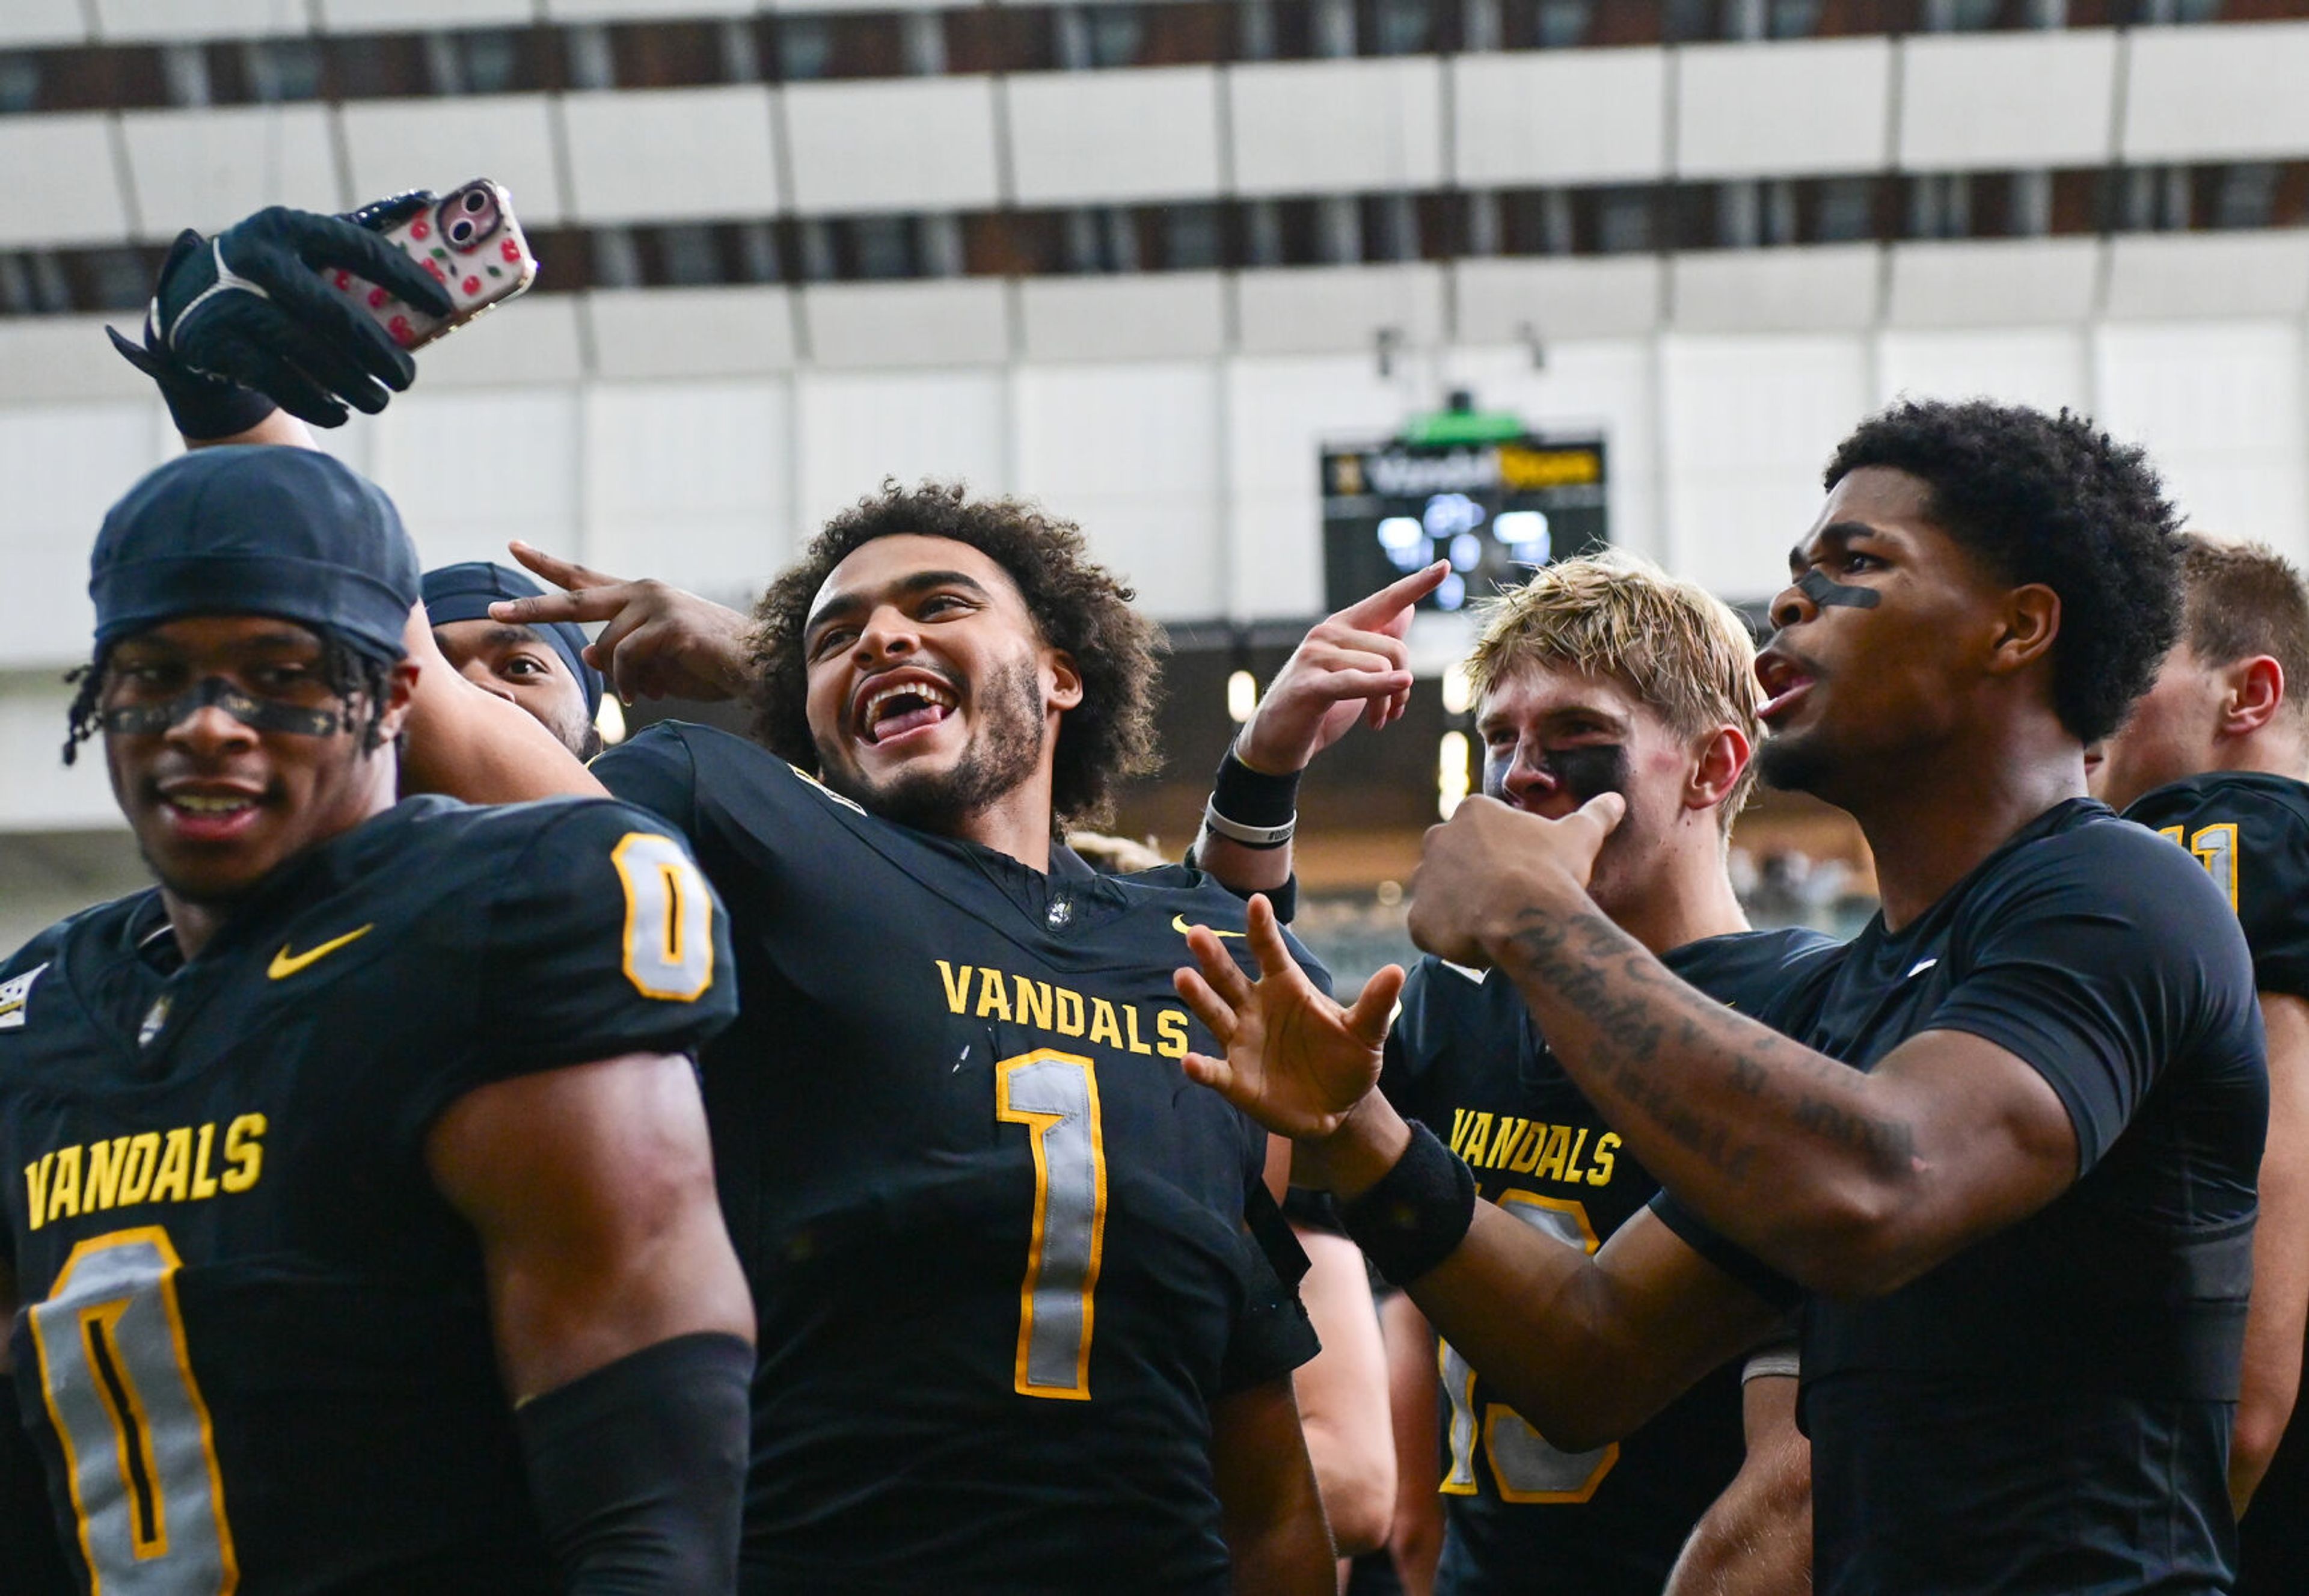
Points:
(1598, 297)
(2219, 409)
(857, 429)
(64, 466)
(1142, 315)
(470, 469)
(1280, 413)
(2047, 368)
(209, 169)
(671, 154)
(386, 16)
(46, 358)
(2006, 99)
(42, 22)
(908, 144)
(1992, 282)
(1750, 423)
(1309, 126)
(2216, 94)
(691, 331)
(691, 482)
(439, 144)
(1832, 285)
(1130, 454)
(1558, 116)
(1320, 308)
(2211, 274)
(43, 794)
(61, 183)
(197, 19)
(1782, 109)
(963, 322)
(527, 341)
(1114, 137)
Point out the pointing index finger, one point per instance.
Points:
(1395, 597)
(587, 603)
(560, 572)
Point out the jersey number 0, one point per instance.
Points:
(140, 1452)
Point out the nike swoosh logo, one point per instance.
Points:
(286, 964)
(1178, 923)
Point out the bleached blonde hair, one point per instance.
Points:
(1677, 647)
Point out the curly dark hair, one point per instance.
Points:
(2049, 499)
(351, 673)
(1079, 607)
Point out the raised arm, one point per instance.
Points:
(1585, 1349)
(623, 1325)
(1351, 666)
(1850, 1184)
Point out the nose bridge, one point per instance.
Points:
(210, 726)
(888, 629)
(1528, 764)
(1790, 605)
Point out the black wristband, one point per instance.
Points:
(203, 407)
(1418, 1213)
(638, 1469)
(1250, 797)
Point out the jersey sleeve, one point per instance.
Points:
(2099, 963)
(656, 770)
(1272, 1334)
(603, 939)
(1743, 1266)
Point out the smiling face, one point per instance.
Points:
(516, 665)
(217, 804)
(932, 694)
(1553, 737)
(1886, 635)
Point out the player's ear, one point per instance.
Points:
(1066, 680)
(1723, 755)
(2254, 691)
(400, 691)
(2031, 621)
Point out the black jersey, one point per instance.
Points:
(2250, 832)
(2049, 1410)
(995, 1238)
(1466, 1058)
(255, 1349)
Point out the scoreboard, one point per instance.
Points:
(1474, 489)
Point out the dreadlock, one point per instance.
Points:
(351, 672)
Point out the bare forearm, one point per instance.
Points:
(279, 428)
(472, 744)
(1239, 869)
(2275, 1321)
(1271, 1512)
(1788, 1152)
(1756, 1538)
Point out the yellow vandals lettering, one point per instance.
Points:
(1504, 1138)
(64, 1185)
(1033, 1002)
(35, 1187)
(1102, 1025)
(1550, 1161)
(136, 1171)
(1459, 1118)
(242, 1151)
(1478, 1132)
(957, 986)
(1571, 1169)
(1171, 1033)
(1600, 1175)
(993, 997)
(173, 1165)
(977, 992)
(204, 1185)
(1526, 1156)
(105, 1159)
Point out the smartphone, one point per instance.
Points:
(470, 241)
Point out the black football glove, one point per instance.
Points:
(242, 320)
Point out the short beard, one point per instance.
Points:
(1003, 756)
(1794, 765)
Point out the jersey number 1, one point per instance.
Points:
(1055, 1096)
(140, 1452)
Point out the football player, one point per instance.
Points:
(540, 667)
(1600, 674)
(362, 1220)
(2004, 1155)
(2213, 756)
